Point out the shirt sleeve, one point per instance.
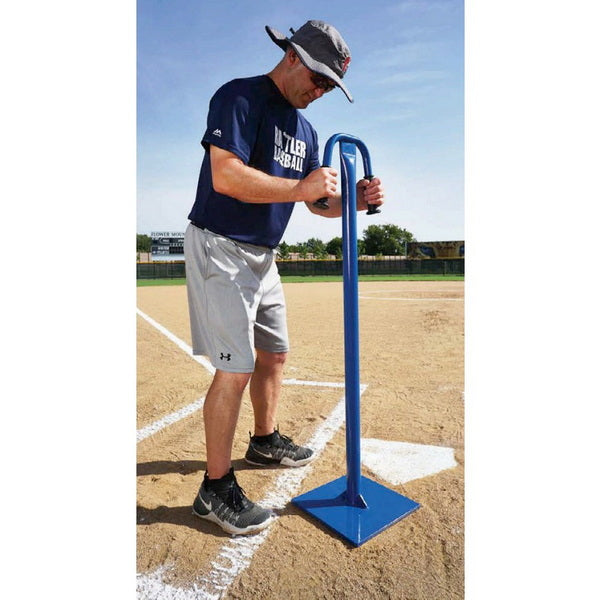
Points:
(313, 162)
(231, 124)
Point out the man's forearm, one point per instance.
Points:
(234, 178)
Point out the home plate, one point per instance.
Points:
(400, 462)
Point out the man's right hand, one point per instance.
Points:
(320, 183)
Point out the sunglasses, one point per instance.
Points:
(321, 82)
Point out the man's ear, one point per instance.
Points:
(291, 57)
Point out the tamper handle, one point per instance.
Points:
(372, 209)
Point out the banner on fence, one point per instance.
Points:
(454, 249)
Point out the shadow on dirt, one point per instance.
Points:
(177, 515)
(183, 467)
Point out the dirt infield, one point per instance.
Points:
(412, 349)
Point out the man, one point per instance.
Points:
(261, 158)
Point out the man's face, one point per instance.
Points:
(305, 86)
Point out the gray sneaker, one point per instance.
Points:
(277, 450)
(224, 502)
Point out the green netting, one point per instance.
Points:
(161, 270)
(451, 266)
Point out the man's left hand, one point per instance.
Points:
(369, 192)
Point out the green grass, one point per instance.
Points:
(148, 282)
(318, 278)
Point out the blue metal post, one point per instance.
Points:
(354, 506)
(351, 333)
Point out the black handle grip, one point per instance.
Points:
(372, 209)
(321, 203)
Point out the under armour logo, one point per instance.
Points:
(226, 357)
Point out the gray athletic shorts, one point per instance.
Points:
(235, 298)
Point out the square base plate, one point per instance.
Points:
(328, 504)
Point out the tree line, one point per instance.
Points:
(143, 242)
(386, 240)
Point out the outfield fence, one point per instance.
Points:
(366, 266)
(161, 270)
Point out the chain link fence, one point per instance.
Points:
(366, 266)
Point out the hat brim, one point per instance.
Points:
(307, 60)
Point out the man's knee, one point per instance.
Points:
(236, 382)
(270, 360)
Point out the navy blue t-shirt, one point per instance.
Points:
(250, 118)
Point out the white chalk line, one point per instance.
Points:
(160, 424)
(413, 299)
(370, 295)
(405, 291)
(236, 554)
(332, 384)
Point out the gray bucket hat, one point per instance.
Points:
(321, 49)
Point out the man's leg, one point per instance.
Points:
(265, 389)
(220, 499)
(217, 316)
(267, 446)
(221, 411)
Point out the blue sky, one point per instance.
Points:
(406, 77)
